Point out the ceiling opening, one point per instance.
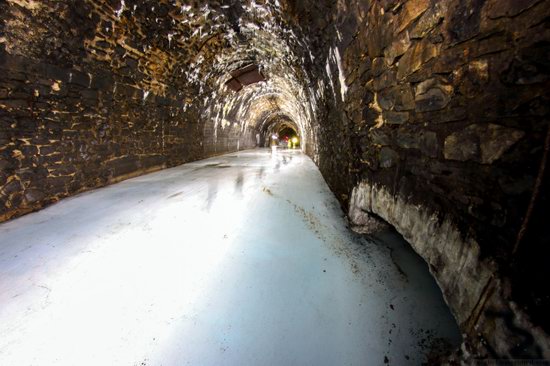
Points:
(244, 76)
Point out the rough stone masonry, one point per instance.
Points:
(432, 115)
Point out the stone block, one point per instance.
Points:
(495, 140)
(410, 11)
(432, 95)
(431, 18)
(33, 195)
(449, 114)
(399, 97)
(380, 31)
(58, 184)
(384, 101)
(387, 157)
(395, 118)
(397, 48)
(378, 137)
(378, 66)
(425, 141)
(13, 185)
(102, 81)
(464, 20)
(152, 161)
(383, 81)
(508, 8)
(417, 55)
(5, 165)
(530, 66)
(56, 73)
(79, 78)
(122, 165)
(484, 143)
(433, 100)
(89, 96)
(14, 104)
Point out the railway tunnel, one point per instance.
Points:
(424, 122)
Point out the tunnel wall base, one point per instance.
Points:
(477, 294)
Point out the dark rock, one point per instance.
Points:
(14, 104)
(531, 66)
(432, 95)
(410, 11)
(387, 157)
(5, 165)
(395, 118)
(446, 115)
(416, 56)
(397, 48)
(482, 143)
(434, 99)
(378, 137)
(429, 20)
(495, 140)
(370, 116)
(464, 21)
(33, 195)
(461, 146)
(101, 81)
(473, 78)
(385, 80)
(378, 66)
(508, 8)
(58, 184)
(399, 98)
(11, 187)
(123, 165)
(380, 32)
(516, 186)
(384, 100)
(426, 141)
(79, 78)
(90, 95)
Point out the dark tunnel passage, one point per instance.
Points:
(278, 128)
(428, 117)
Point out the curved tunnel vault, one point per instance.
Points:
(275, 124)
(434, 121)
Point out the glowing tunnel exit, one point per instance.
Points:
(281, 131)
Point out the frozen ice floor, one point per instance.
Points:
(242, 259)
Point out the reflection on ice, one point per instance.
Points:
(247, 265)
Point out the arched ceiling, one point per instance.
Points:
(186, 50)
(193, 47)
(278, 122)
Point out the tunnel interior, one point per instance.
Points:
(278, 128)
(429, 115)
(289, 135)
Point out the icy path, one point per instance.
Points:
(242, 259)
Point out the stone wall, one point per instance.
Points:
(92, 93)
(446, 111)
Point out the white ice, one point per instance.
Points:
(242, 259)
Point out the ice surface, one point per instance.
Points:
(242, 259)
